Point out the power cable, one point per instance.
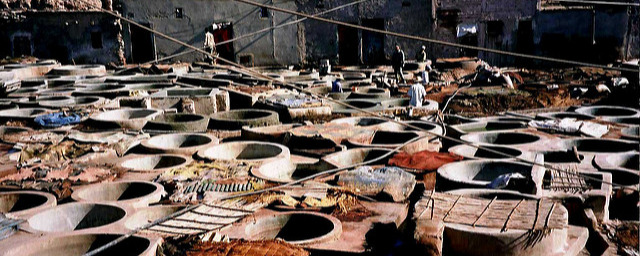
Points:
(258, 74)
(108, 245)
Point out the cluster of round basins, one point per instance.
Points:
(97, 217)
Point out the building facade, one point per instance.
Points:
(600, 34)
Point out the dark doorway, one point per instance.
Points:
(142, 44)
(373, 43)
(471, 40)
(226, 50)
(347, 45)
(21, 46)
(525, 37)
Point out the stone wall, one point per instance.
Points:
(570, 34)
(271, 48)
(412, 17)
(65, 36)
(450, 13)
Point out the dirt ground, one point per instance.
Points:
(192, 246)
(493, 100)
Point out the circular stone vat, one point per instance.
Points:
(179, 143)
(32, 103)
(370, 93)
(501, 138)
(470, 152)
(178, 122)
(370, 122)
(631, 133)
(561, 157)
(131, 118)
(79, 70)
(300, 228)
(628, 162)
(358, 155)
(339, 95)
(24, 92)
(385, 139)
(77, 245)
(145, 215)
(150, 87)
(624, 168)
(34, 82)
(273, 133)
(103, 90)
(608, 111)
(485, 126)
(136, 193)
(279, 170)
(236, 119)
(24, 114)
(154, 163)
(7, 104)
(626, 120)
(245, 151)
(430, 127)
(13, 129)
(65, 91)
(502, 119)
(598, 146)
(19, 203)
(353, 75)
(562, 115)
(342, 109)
(75, 217)
(54, 101)
(480, 173)
(75, 102)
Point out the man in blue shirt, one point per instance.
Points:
(336, 86)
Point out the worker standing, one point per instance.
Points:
(209, 45)
(210, 42)
(397, 61)
(421, 57)
(417, 94)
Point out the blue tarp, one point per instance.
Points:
(58, 119)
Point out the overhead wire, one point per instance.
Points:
(342, 103)
(123, 237)
(356, 108)
(258, 74)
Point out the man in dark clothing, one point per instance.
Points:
(421, 55)
(397, 61)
